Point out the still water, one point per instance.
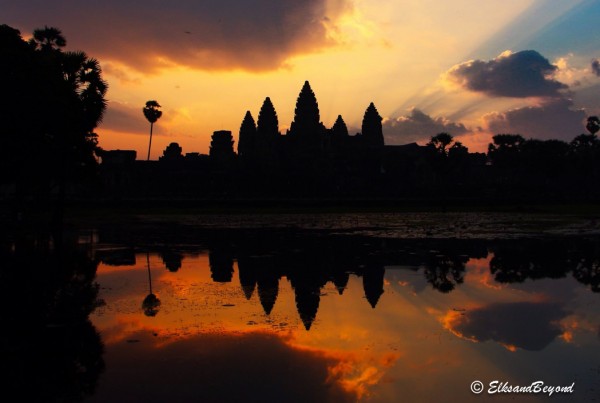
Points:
(186, 313)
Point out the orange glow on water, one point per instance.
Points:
(362, 351)
(450, 321)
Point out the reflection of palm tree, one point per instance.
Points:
(151, 303)
(152, 114)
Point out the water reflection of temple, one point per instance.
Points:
(311, 262)
(308, 272)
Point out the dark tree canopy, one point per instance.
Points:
(372, 130)
(441, 142)
(584, 142)
(51, 103)
(507, 141)
(458, 149)
(173, 152)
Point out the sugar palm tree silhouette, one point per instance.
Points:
(152, 114)
(48, 38)
(593, 124)
(441, 141)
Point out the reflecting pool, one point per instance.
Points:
(303, 315)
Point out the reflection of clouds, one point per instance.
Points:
(357, 379)
(209, 364)
(577, 328)
(568, 332)
(480, 274)
(526, 325)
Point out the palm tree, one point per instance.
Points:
(593, 124)
(152, 114)
(48, 38)
(83, 75)
(441, 141)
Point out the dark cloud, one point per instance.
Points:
(596, 67)
(554, 119)
(211, 34)
(519, 75)
(527, 325)
(418, 126)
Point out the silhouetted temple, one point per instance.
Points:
(309, 159)
(308, 148)
(312, 161)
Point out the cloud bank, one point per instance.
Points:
(418, 126)
(255, 35)
(524, 74)
(553, 119)
(518, 75)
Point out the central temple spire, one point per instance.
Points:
(306, 122)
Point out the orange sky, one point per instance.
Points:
(428, 65)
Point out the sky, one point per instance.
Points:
(466, 67)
